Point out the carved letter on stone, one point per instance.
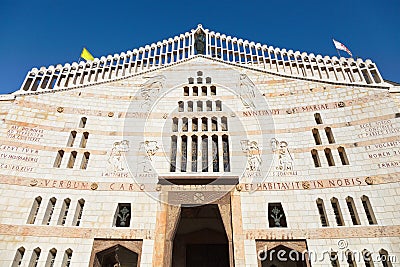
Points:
(284, 158)
(150, 90)
(253, 154)
(246, 91)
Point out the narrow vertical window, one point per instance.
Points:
(276, 215)
(368, 210)
(224, 124)
(59, 157)
(185, 91)
(82, 122)
(334, 259)
(85, 160)
(194, 153)
(34, 210)
(175, 124)
(213, 90)
(123, 215)
(329, 135)
(85, 137)
(199, 106)
(204, 124)
(71, 139)
(64, 211)
(195, 91)
(180, 106)
(67, 258)
(203, 90)
(316, 136)
(214, 124)
(190, 106)
(51, 257)
(209, 105)
(225, 150)
(352, 210)
(367, 258)
(195, 124)
(49, 211)
(35, 257)
(314, 154)
(72, 159)
(215, 153)
(184, 124)
(184, 153)
(218, 105)
(337, 212)
(204, 153)
(350, 258)
(18, 257)
(174, 146)
(329, 157)
(322, 212)
(78, 212)
(343, 156)
(384, 258)
(318, 118)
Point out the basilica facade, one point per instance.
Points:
(201, 150)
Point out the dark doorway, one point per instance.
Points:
(116, 256)
(200, 239)
(283, 256)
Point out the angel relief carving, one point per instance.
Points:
(247, 91)
(151, 89)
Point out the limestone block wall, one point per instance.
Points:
(130, 123)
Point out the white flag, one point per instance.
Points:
(341, 46)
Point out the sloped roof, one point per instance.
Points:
(216, 46)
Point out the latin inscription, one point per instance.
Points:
(28, 154)
(302, 184)
(378, 128)
(25, 133)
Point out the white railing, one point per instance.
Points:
(218, 46)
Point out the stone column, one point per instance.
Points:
(237, 226)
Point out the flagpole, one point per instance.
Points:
(338, 52)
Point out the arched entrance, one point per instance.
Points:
(282, 254)
(200, 238)
(116, 253)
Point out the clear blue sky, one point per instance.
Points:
(42, 33)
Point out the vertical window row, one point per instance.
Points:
(73, 155)
(189, 106)
(351, 209)
(329, 157)
(217, 124)
(199, 91)
(327, 151)
(50, 210)
(199, 79)
(214, 152)
(34, 260)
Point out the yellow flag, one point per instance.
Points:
(86, 55)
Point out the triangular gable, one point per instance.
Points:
(209, 44)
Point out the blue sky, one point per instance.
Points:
(43, 33)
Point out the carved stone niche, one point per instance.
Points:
(109, 252)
